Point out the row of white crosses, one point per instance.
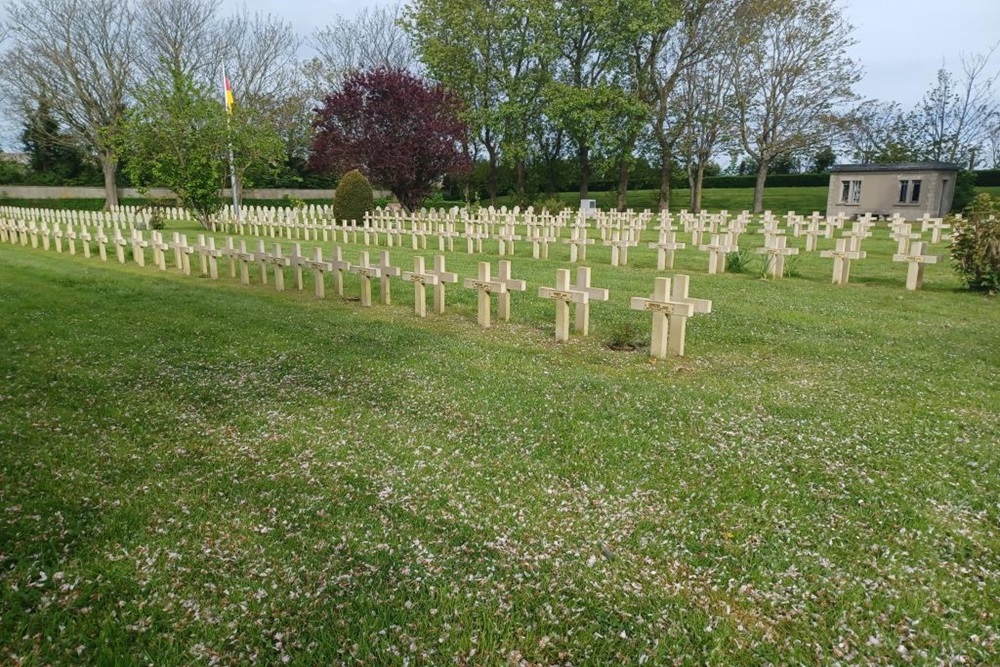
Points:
(677, 306)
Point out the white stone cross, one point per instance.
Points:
(903, 234)
(85, 238)
(504, 276)
(619, 247)
(842, 257)
(665, 248)
(319, 267)
(297, 261)
(563, 295)
(582, 314)
(366, 272)
(102, 242)
(506, 237)
(159, 247)
(386, 272)
(775, 251)
(245, 258)
(667, 315)
(717, 250)
(679, 293)
(339, 267)
(279, 263)
(578, 243)
(443, 277)
(485, 287)
(936, 226)
(420, 279)
(916, 259)
(262, 256)
(138, 247)
(120, 244)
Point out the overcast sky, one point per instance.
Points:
(901, 43)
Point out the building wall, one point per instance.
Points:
(55, 192)
(880, 193)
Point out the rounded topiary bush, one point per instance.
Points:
(353, 197)
(975, 246)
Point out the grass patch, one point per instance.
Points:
(204, 473)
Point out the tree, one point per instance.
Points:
(878, 131)
(373, 38)
(495, 57)
(178, 136)
(182, 35)
(822, 160)
(688, 44)
(790, 72)
(51, 151)
(76, 55)
(701, 101)
(956, 117)
(402, 133)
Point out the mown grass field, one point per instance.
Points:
(195, 472)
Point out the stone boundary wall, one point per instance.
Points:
(57, 192)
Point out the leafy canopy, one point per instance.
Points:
(404, 134)
(178, 136)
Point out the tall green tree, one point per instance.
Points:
(494, 56)
(790, 74)
(178, 135)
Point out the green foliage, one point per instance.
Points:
(353, 197)
(965, 190)
(742, 261)
(178, 136)
(551, 204)
(625, 334)
(976, 245)
(55, 157)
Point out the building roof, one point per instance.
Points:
(900, 166)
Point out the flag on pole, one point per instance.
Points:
(227, 92)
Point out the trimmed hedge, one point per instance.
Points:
(988, 177)
(353, 198)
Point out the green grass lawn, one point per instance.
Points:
(195, 472)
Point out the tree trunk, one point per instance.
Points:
(758, 188)
(665, 177)
(109, 165)
(696, 191)
(623, 172)
(520, 170)
(491, 175)
(584, 155)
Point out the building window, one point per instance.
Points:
(850, 192)
(909, 191)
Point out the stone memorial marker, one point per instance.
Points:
(297, 261)
(443, 277)
(582, 314)
(339, 267)
(245, 258)
(667, 314)
(916, 260)
(85, 238)
(261, 256)
(485, 287)
(120, 244)
(665, 248)
(717, 250)
(578, 243)
(679, 294)
(319, 267)
(102, 243)
(159, 247)
(504, 276)
(279, 264)
(563, 295)
(71, 237)
(138, 248)
(386, 272)
(365, 272)
(420, 279)
(776, 251)
(842, 257)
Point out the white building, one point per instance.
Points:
(910, 189)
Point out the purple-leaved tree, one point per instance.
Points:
(402, 133)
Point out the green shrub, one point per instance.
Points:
(976, 244)
(353, 197)
(553, 205)
(741, 261)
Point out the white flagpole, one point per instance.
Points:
(232, 168)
